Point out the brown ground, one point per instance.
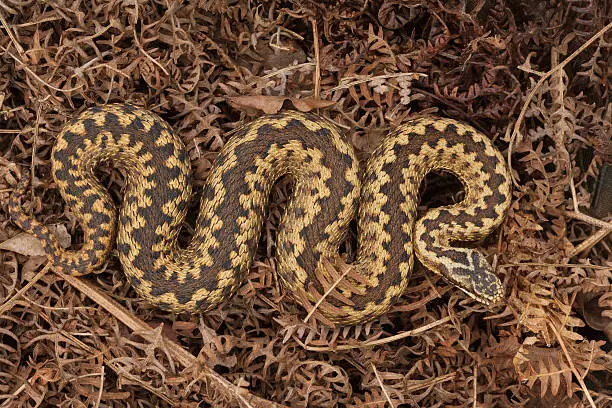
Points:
(205, 67)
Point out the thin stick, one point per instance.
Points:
(332, 287)
(385, 340)
(317, 73)
(369, 78)
(588, 219)
(11, 35)
(382, 386)
(34, 146)
(537, 86)
(11, 130)
(574, 370)
(590, 242)
(282, 71)
(572, 187)
(557, 265)
(99, 398)
(39, 79)
(9, 303)
(475, 405)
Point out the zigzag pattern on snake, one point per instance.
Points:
(328, 194)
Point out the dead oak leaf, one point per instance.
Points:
(273, 104)
(28, 245)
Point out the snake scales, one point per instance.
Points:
(328, 193)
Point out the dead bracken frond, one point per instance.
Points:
(533, 76)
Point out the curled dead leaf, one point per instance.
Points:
(273, 104)
(27, 244)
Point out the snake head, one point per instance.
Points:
(477, 278)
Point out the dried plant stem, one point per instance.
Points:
(14, 395)
(588, 219)
(317, 57)
(378, 342)
(9, 303)
(537, 86)
(587, 244)
(34, 147)
(185, 358)
(12, 130)
(572, 187)
(282, 71)
(591, 241)
(100, 389)
(11, 35)
(558, 265)
(382, 386)
(475, 404)
(331, 288)
(573, 367)
(368, 78)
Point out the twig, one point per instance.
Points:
(571, 363)
(11, 130)
(97, 404)
(475, 405)
(37, 22)
(587, 244)
(557, 265)
(382, 386)
(588, 219)
(591, 241)
(34, 146)
(13, 395)
(368, 78)
(317, 73)
(378, 342)
(282, 71)
(572, 187)
(327, 292)
(9, 303)
(11, 35)
(537, 86)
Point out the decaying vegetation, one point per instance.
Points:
(534, 76)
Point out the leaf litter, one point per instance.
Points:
(534, 77)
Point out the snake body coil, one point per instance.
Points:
(327, 193)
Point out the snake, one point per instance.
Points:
(331, 188)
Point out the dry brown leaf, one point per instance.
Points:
(273, 104)
(26, 244)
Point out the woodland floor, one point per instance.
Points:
(532, 75)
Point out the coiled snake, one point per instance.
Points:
(328, 193)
